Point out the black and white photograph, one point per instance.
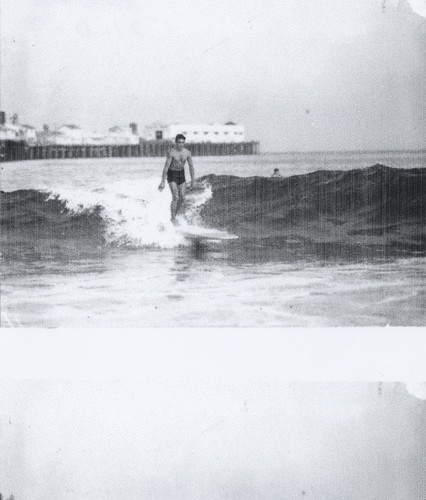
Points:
(213, 164)
(213, 248)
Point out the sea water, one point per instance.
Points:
(146, 274)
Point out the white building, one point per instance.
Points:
(229, 132)
(67, 134)
(122, 135)
(9, 132)
(154, 131)
(72, 134)
(28, 133)
(17, 133)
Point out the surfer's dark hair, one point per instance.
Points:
(180, 136)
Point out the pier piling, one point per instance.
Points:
(19, 150)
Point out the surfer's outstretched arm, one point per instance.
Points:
(191, 170)
(165, 169)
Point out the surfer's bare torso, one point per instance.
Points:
(178, 158)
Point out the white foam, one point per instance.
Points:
(136, 213)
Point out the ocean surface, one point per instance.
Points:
(339, 240)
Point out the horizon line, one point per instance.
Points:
(295, 151)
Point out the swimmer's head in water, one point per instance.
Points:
(180, 141)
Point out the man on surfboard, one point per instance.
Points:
(174, 171)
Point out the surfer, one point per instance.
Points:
(174, 171)
(276, 173)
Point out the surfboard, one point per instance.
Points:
(204, 233)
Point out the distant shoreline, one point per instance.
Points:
(343, 151)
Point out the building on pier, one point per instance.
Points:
(11, 130)
(28, 134)
(22, 142)
(215, 133)
(154, 131)
(123, 135)
(67, 135)
(18, 133)
(9, 133)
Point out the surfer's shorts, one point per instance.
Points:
(177, 176)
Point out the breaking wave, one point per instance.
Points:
(120, 214)
(374, 206)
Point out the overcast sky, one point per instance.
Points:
(300, 74)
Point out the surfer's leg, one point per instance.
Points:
(175, 198)
(181, 199)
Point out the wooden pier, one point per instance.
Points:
(160, 148)
(19, 150)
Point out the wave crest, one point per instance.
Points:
(379, 206)
(120, 214)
